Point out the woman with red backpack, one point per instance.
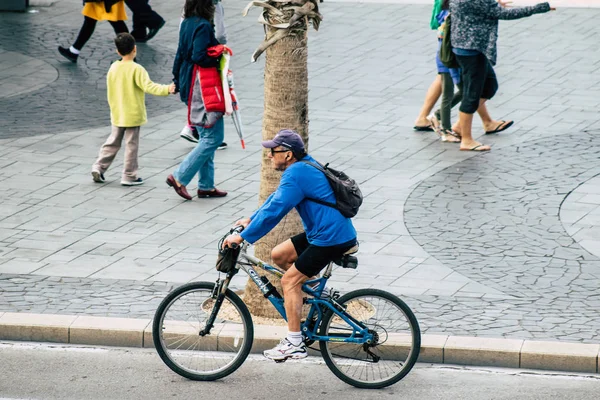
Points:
(197, 78)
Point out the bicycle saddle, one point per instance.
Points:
(348, 260)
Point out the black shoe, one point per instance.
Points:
(222, 146)
(153, 31)
(66, 53)
(139, 35)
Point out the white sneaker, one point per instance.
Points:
(189, 134)
(285, 350)
(137, 182)
(98, 177)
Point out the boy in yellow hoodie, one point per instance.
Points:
(126, 83)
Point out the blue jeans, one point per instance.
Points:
(200, 160)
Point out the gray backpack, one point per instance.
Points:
(348, 197)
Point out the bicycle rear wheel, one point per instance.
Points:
(176, 328)
(396, 346)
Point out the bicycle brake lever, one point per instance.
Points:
(236, 229)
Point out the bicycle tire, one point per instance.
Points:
(396, 351)
(184, 325)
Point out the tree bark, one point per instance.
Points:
(286, 106)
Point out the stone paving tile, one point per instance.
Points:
(580, 215)
(152, 237)
(560, 272)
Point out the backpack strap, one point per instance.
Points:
(322, 169)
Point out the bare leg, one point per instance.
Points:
(486, 119)
(466, 123)
(284, 255)
(291, 283)
(433, 94)
(483, 114)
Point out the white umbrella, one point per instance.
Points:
(235, 115)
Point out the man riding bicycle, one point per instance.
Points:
(327, 233)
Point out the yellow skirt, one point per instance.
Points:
(98, 12)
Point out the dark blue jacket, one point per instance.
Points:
(324, 226)
(195, 36)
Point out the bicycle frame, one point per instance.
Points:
(314, 287)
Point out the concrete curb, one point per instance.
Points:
(436, 349)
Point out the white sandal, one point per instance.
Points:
(448, 135)
(435, 123)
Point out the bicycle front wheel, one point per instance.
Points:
(177, 327)
(396, 344)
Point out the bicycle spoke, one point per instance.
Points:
(393, 351)
(187, 352)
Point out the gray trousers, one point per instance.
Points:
(220, 32)
(111, 147)
(449, 100)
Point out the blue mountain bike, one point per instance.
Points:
(369, 338)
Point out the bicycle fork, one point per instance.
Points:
(218, 294)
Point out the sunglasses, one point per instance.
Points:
(273, 151)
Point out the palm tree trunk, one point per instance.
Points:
(286, 106)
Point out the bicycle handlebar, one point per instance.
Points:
(236, 229)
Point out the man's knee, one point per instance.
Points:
(282, 256)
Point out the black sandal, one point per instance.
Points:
(427, 128)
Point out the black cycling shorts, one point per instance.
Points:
(312, 259)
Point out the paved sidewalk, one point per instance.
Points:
(499, 244)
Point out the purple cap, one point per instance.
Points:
(287, 138)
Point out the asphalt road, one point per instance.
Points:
(43, 371)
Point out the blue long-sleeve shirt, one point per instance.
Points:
(324, 226)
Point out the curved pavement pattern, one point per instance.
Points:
(59, 106)
(495, 219)
(580, 215)
(32, 74)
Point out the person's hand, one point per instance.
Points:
(505, 3)
(172, 88)
(232, 239)
(552, 8)
(243, 222)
